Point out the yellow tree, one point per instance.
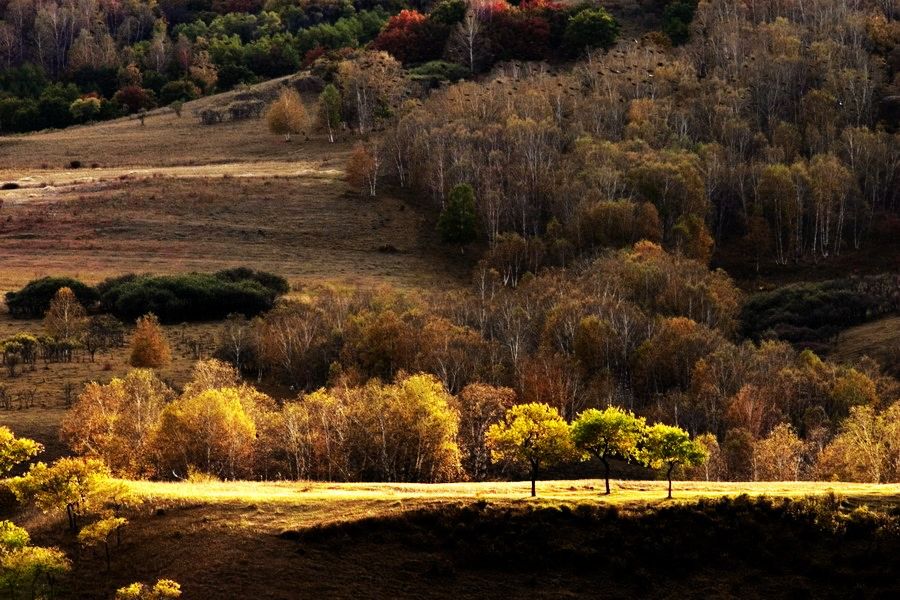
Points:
(532, 435)
(149, 348)
(609, 433)
(66, 318)
(667, 447)
(210, 431)
(115, 421)
(287, 115)
(163, 589)
(15, 450)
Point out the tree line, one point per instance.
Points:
(770, 133)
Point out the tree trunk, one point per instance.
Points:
(606, 474)
(534, 474)
(669, 477)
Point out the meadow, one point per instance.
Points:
(298, 540)
(174, 195)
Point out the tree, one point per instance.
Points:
(362, 169)
(99, 532)
(149, 348)
(66, 318)
(15, 450)
(480, 406)
(287, 115)
(778, 456)
(75, 485)
(213, 432)
(608, 433)
(114, 422)
(667, 447)
(531, 435)
(458, 221)
(164, 589)
(24, 566)
(591, 28)
(866, 449)
(330, 109)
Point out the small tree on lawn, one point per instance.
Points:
(457, 222)
(287, 115)
(15, 450)
(149, 348)
(667, 447)
(330, 110)
(164, 589)
(609, 433)
(99, 533)
(362, 170)
(533, 435)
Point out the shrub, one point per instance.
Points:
(149, 347)
(193, 296)
(178, 90)
(33, 300)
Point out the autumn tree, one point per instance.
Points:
(287, 115)
(77, 486)
(330, 110)
(149, 348)
(99, 533)
(163, 589)
(480, 406)
(34, 569)
(607, 434)
(211, 432)
(667, 447)
(363, 168)
(15, 450)
(866, 448)
(531, 435)
(66, 318)
(458, 222)
(778, 456)
(115, 421)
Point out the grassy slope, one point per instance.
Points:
(242, 539)
(879, 340)
(175, 195)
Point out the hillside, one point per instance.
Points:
(270, 540)
(175, 195)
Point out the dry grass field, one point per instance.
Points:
(174, 195)
(879, 340)
(318, 540)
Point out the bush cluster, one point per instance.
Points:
(172, 298)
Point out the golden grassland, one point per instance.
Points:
(879, 340)
(318, 502)
(237, 539)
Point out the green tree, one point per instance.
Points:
(15, 450)
(532, 435)
(457, 222)
(330, 109)
(591, 28)
(667, 447)
(608, 433)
